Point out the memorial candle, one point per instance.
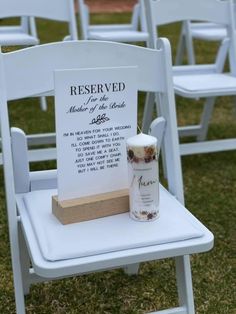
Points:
(142, 157)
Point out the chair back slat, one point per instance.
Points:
(37, 68)
(172, 11)
(53, 9)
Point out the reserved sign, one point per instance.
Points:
(96, 110)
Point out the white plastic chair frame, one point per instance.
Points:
(14, 35)
(154, 75)
(114, 32)
(215, 11)
(58, 10)
(204, 31)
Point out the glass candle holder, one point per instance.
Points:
(142, 156)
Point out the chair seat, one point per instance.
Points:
(17, 38)
(209, 33)
(117, 235)
(119, 35)
(205, 85)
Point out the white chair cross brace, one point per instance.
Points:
(198, 81)
(58, 10)
(114, 32)
(32, 226)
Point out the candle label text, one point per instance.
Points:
(144, 182)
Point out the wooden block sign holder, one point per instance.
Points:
(92, 207)
(96, 111)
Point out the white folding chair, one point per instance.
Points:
(114, 32)
(58, 10)
(25, 33)
(198, 81)
(29, 193)
(197, 30)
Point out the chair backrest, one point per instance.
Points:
(37, 65)
(58, 10)
(160, 12)
(137, 18)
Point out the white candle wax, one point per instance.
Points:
(142, 157)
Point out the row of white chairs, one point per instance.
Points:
(138, 30)
(206, 81)
(190, 87)
(27, 192)
(26, 34)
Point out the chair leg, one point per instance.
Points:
(180, 49)
(148, 112)
(131, 269)
(25, 264)
(20, 302)
(184, 283)
(190, 50)
(189, 43)
(206, 115)
(17, 275)
(43, 103)
(185, 42)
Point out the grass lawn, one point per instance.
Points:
(210, 190)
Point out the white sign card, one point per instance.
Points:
(96, 110)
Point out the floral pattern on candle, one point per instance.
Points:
(142, 154)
